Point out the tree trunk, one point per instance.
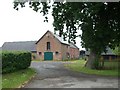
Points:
(91, 60)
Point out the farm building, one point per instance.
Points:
(49, 47)
(109, 55)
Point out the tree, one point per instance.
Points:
(117, 50)
(99, 23)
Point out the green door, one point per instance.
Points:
(48, 55)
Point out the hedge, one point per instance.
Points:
(15, 60)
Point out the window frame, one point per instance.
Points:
(48, 46)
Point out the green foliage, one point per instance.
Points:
(78, 65)
(99, 22)
(17, 79)
(13, 61)
(117, 50)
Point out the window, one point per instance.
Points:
(48, 45)
(56, 52)
(40, 53)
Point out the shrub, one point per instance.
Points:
(15, 60)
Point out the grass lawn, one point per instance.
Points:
(16, 79)
(78, 66)
(36, 60)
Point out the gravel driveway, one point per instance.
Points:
(53, 75)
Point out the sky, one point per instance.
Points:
(23, 25)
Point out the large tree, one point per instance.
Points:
(99, 22)
(117, 50)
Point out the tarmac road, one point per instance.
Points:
(51, 74)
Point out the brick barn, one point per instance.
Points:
(49, 47)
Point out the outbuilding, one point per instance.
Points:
(109, 55)
(49, 47)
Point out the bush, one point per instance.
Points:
(15, 60)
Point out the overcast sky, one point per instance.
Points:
(22, 25)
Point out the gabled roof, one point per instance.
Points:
(73, 45)
(60, 39)
(18, 46)
(31, 45)
(109, 52)
(41, 37)
(56, 36)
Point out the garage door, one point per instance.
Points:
(48, 55)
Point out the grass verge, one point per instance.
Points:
(16, 79)
(78, 66)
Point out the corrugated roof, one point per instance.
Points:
(109, 52)
(18, 46)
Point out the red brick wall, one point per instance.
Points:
(74, 53)
(55, 45)
(65, 50)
